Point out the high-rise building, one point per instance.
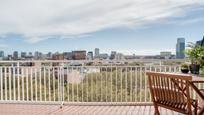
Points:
(37, 55)
(23, 54)
(30, 54)
(113, 55)
(41, 55)
(15, 55)
(49, 55)
(180, 48)
(97, 52)
(90, 55)
(1, 54)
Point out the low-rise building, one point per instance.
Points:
(58, 57)
(200, 42)
(103, 56)
(166, 54)
(79, 55)
(119, 56)
(67, 55)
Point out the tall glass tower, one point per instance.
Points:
(180, 48)
(97, 53)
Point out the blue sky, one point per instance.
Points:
(127, 27)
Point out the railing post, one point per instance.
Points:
(145, 78)
(61, 84)
(1, 83)
(18, 72)
(82, 73)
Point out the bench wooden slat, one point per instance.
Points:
(171, 91)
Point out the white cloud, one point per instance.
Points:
(38, 20)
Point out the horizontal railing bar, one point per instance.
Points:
(80, 103)
(85, 66)
(109, 103)
(128, 60)
(32, 102)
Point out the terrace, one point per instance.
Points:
(59, 88)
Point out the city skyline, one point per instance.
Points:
(118, 27)
(9, 50)
(178, 51)
(25, 53)
(82, 55)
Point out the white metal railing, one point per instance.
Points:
(77, 83)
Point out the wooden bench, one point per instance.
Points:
(171, 91)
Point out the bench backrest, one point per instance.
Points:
(170, 90)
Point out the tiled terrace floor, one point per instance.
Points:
(29, 109)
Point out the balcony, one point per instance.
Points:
(64, 89)
(36, 109)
